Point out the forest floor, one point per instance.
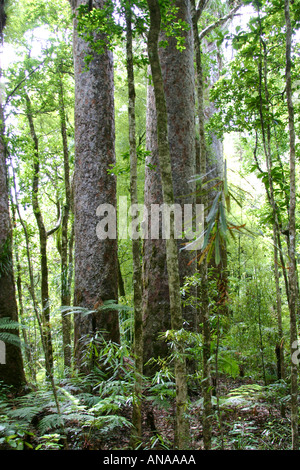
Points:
(244, 418)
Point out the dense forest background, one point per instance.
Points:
(112, 335)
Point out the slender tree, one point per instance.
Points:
(182, 427)
(201, 165)
(292, 230)
(179, 89)
(42, 236)
(65, 267)
(136, 242)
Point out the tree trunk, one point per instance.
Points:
(31, 286)
(179, 89)
(19, 285)
(65, 286)
(292, 233)
(96, 263)
(43, 241)
(182, 439)
(11, 365)
(204, 313)
(136, 254)
(279, 345)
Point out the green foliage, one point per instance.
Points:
(217, 225)
(161, 391)
(227, 364)
(98, 27)
(242, 342)
(50, 442)
(82, 412)
(171, 25)
(6, 337)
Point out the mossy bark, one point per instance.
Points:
(136, 251)
(182, 439)
(177, 70)
(42, 239)
(293, 301)
(65, 295)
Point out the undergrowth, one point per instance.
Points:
(95, 411)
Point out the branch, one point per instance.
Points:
(54, 229)
(58, 223)
(220, 22)
(200, 7)
(22, 81)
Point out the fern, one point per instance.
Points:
(228, 365)
(50, 422)
(26, 413)
(8, 324)
(108, 423)
(9, 338)
(246, 395)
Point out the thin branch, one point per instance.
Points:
(219, 22)
(22, 81)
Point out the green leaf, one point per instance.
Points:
(217, 249)
(222, 218)
(207, 234)
(213, 210)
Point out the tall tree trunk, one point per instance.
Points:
(31, 286)
(203, 268)
(136, 252)
(179, 89)
(11, 371)
(292, 232)
(43, 240)
(65, 286)
(279, 344)
(27, 344)
(96, 263)
(182, 434)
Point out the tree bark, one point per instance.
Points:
(65, 286)
(292, 233)
(201, 165)
(96, 263)
(43, 240)
(182, 440)
(136, 252)
(179, 89)
(12, 371)
(19, 285)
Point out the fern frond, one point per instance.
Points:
(10, 338)
(50, 422)
(25, 413)
(7, 323)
